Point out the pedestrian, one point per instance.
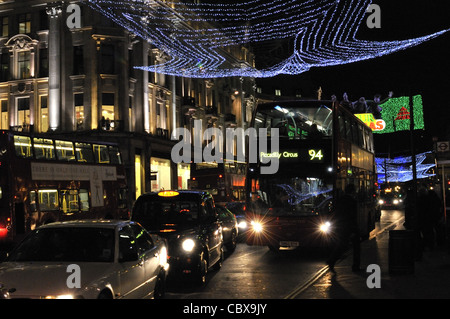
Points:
(436, 218)
(410, 205)
(346, 225)
(426, 218)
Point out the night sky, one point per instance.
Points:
(424, 69)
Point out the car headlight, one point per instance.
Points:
(381, 202)
(188, 245)
(242, 224)
(257, 227)
(60, 297)
(325, 227)
(396, 202)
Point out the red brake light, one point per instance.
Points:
(3, 232)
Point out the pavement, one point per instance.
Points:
(427, 278)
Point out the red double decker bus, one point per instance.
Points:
(322, 148)
(45, 179)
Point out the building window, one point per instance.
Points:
(161, 168)
(79, 110)
(23, 112)
(43, 20)
(23, 64)
(4, 67)
(107, 111)
(277, 92)
(184, 174)
(4, 124)
(43, 63)
(78, 64)
(138, 175)
(4, 26)
(107, 62)
(25, 23)
(161, 115)
(43, 113)
(130, 113)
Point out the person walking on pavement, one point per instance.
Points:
(426, 218)
(346, 216)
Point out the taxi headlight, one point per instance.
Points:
(325, 227)
(188, 245)
(242, 225)
(257, 226)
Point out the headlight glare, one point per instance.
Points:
(325, 227)
(242, 225)
(188, 245)
(257, 226)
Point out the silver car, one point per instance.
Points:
(87, 259)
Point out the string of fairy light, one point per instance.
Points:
(400, 169)
(196, 36)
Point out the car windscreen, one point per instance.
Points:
(66, 245)
(152, 213)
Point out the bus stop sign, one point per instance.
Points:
(443, 146)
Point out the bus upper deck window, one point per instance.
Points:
(101, 154)
(43, 148)
(84, 152)
(114, 155)
(65, 151)
(22, 145)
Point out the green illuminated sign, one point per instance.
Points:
(396, 115)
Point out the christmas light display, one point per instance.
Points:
(400, 169)
(397, 117)
(324, 33)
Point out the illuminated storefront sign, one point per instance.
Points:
(396, 115)
(370, 121)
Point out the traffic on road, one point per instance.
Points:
(184, 238)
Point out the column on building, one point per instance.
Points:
(54, 76)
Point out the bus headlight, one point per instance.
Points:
(325, 227)
(257, 227)
(188, 245)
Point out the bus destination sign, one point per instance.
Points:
(311, 155)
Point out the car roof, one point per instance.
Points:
(97, 223)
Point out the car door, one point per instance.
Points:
(132, 271)
(149, 254)
(214, 230)
(228, 222)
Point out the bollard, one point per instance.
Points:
(401, 251)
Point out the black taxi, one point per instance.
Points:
(189, 222)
